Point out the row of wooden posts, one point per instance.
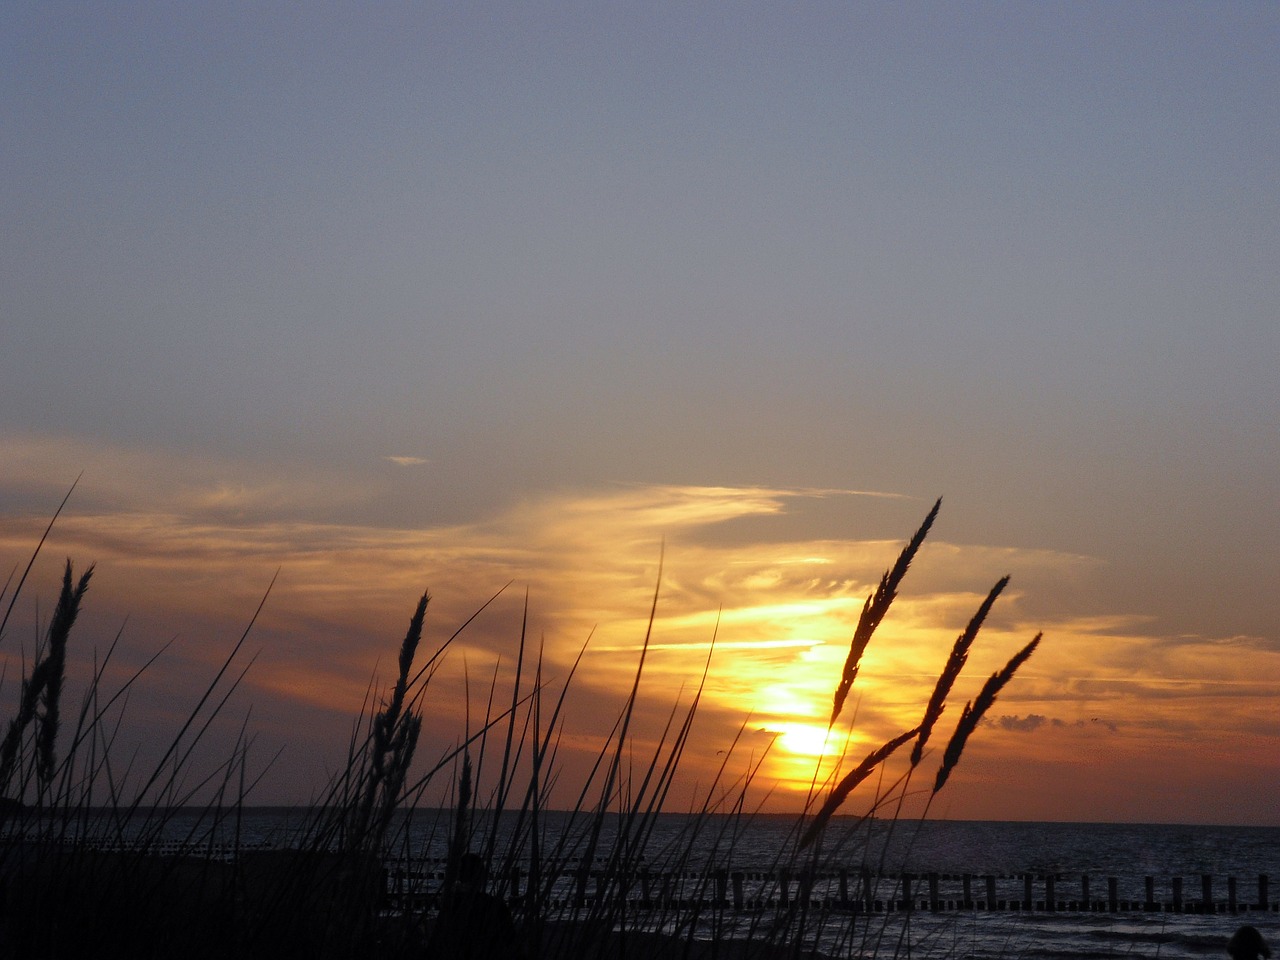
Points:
(786, 889)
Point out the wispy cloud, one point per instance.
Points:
(401, 461)
(122, 479)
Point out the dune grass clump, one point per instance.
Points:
(609, 874)
(42, 695)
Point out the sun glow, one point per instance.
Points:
(812, 740)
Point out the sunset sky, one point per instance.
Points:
(455, 296)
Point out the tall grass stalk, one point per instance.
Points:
(974, 711)
(840, 792)
(42, 693)
(951, 671)
(873, 610)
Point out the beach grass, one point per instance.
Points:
(82, 867)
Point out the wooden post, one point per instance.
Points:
(1050, 903)
(1264, 897)
(844, 886)
(1027, 895)
(968, 891)
(784, 882)
(739, 899)
(991, 891)
(868, 890)
(1177, 894)
(580, 894)
(1151, 893)
(1085, 904)
(1113, 898)
(806, 888)
(1206, 894)
(722, 886)
(934, 904)
(532, 884)
(906, 891)
(1232, 905)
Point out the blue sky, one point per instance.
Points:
(1022, 256)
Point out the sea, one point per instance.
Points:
(871, 889)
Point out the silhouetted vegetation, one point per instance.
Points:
(82, 872)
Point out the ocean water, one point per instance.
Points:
(681, 857)
(1138, 857)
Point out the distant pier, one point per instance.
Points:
(411, 884)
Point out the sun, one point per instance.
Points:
(801, 739)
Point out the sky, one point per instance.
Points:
(571, 303)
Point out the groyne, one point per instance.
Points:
(413, 884)
(858, 891)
